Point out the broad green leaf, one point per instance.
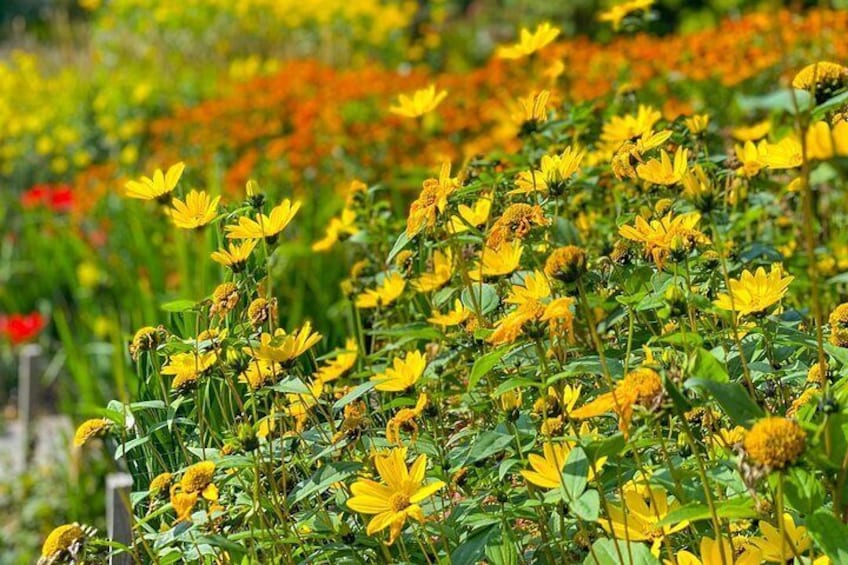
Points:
(484, 364)
(575, 474)
(357, 392)
(735, 508)
(830, 535)
(733, 399)
(400, 243)
(587, 507)
(607, 551)
(178, 305)
(704, 365)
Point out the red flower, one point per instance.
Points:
(61, 198)
(21, 328)
(35, 196)
(57, 197)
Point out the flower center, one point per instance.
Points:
(399, 501)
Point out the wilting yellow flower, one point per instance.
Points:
(777, 548)
(196, 482)
(838, 321)
(344, 360)
(529, 42)
(158, 187)
(62, 540)
(343, 226)
(534, 107)
(159, 484)
(662, 171)
(515, 223)
(402, 374)
(753, 132)
(547, 470)
(268, 227)
(473, 216)
(197, 210)
(662, 237)
(439, 276)
(785, 154)
(405, 418)
(628, 128)
(530, 298)
(187, 367)
(697, 123)
(640, 387)
(431, 202)
(753, 293)
(566, 263)
(452, 317)
(91, 429)
(283, 347)
(616, 14)
(421, 102)
(775, 442)
(398, 497)
(235, 257)
(642, 508)
(387, 292)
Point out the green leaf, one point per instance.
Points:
(735, 508)
(409, 331)
(803, 491)
(830, 535)
(607, 551)
(575, 474)
(484, 364)
(485, 295)
(487, 444)
(587, 507)
(400, 243)
(360, 390)
(125, 448)
(503, 551)
(178, 305)
(472, 549)
(783, 99)
(323, 479)
(704, 365)
(733, 399)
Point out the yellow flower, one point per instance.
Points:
(198, 478)
(236, 256)
(662, 237)
(566, 263)
(405, 418)
(431, 202)
(91, 429)
(697, 123)
(187, 367)
(553, 173)
(785, 154)
(775, 442)
(529, 298)
(62, 540)
(402, 374)
(529, 42)
(753, 293)
(782, 548)
(749, 155)
(197, 210)
(159, 484)
(268, 227)
(662, 171)
(145, 339)
(421, 102)
(344, 361)
(824, 142)
(515, 223)
(473, 216)
(452, 317)
(338, 228)
(640, 387)
(534, 108)
(282, 347)
(387, 292)
(629, 127)
(547, 470)
(616, 14)
(299, 404)
(713, 552)
(823, 78)
(838, 320)
(441, 274)
(157, 187)
(397, 497)
(753, 132)
(498, 261)
(642, 507)
(261, 372)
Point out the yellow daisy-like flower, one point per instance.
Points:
(663, 237)
(403, 373)
(198, 478)
(752, 293)
(641, 509)
(268, 227)
(235, 256)
(282, 347)
(712, 553)
(343, 362)
(387, 292)
(439, 276)
(552, 174)
(697, 123)
(629, 128)
(452, 317)
(662, 171)
(397, 497)
(785, 154)
(529, 42)
(197, 210)
(533, 108)
(640, 387)
(188, 367)
(775, 442)
(432, 201)
(158, 187)
(90, 429)
(473, 216)
(616, 14)
(838, 321)
(515, 223)
(61, 540)
(754, 132)
(547, 470)
(566, 263)
(405, 419)
(421, 102)
(824, 142)
(339, 228)
(260, 373)
(777, 548)
(824, 78)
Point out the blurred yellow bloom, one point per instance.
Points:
(187, 367)
(387, 292)
(498, 261)
(439, 276)
(197, 210)
(712, 553)
(529, 42)
(780, 549)
(824, 142)
(268, 227)
(421, 102)
(749, 155)
(340, 227)
(452, 317)
(552, 174)
(397, 498)
(534, 107)
(344, 360)
(697, 123)
(626, 128)
(752, 293)
(753, 132)
(403, 373)
(640, 387)
(663, 171)
(785, 154)
(616, 14)
(158, 187)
